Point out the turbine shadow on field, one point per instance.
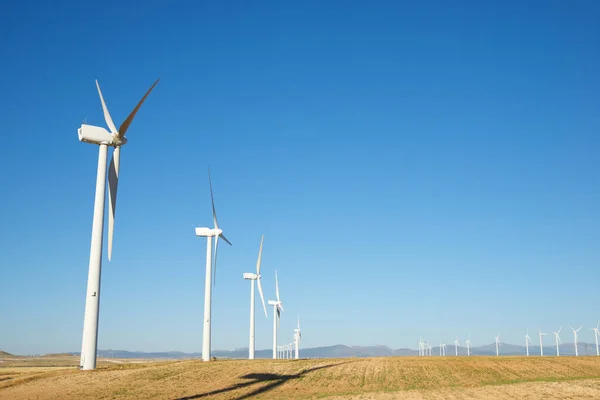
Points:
(257, 378)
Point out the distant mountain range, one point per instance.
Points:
(342, 351)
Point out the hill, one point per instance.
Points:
(5, 354)
(370, 378)
(343, 351)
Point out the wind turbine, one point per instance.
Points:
(209, 233)
(421, 346)
(255, 277)
(575, 336)
(297, 337)
(456, 346)
(103, 138)
(527, 340)
(596, 334)
(442, 349)
(541, 341)
(277, 309)
(497, 338)
(468, 345)
(557, 337)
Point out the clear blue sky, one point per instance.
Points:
(418, 169)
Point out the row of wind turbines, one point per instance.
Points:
(425, 349)
(558, 341)
(116, 138)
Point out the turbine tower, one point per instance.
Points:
(541, 342)
(557, 337)
(596, 334)
(575, 336)
(277, 309)
(297, 337)
(456, 346)
(103, 138)
(497, 338)
(255, 277)
(209, 233)
(527, 340)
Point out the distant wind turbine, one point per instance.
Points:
(468, 345)
(497, 338)
(557, 337)
(456, 346)
(255, 277)
(596, 334)
(575, 337)
(277, 309)
(297, 337)
(211, 264)
(527, 340)
(541, 341)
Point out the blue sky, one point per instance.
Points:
(417, 168)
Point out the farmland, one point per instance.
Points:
(365, 378)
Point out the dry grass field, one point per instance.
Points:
(372, 378)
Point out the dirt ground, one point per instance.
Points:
(583, 389)
(367, 378)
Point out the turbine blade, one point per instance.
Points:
(298, 322)
(125, 125)
(278, 317)
(259, 255)
(225, 239)
(215, 261)
(281, 307)
(262, 298)
(107, 117)
(113, 183)
(212, 199)
(276, 286)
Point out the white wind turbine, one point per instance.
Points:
(277, 309)
(596, 334)
(255, 277)
(456, 346)
(115, 138)
(442, 349)
(557, 338)
(468, 342)
(297, 337)
(541, 341)
(575, 337)
(209, 233)
(527, 340)
(421, 346)
(497, 338)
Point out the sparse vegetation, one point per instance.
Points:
(371, 378)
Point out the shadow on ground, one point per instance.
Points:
(257, 378)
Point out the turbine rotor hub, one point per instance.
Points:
(118, 141)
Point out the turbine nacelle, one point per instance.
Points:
(98, 135)
(251, 276)
(208, 232)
